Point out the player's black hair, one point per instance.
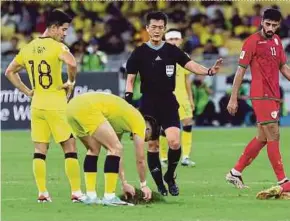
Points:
(58, 18)
(154, 126)
(156, 15)
(272, 14)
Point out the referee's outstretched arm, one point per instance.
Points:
(201, 70)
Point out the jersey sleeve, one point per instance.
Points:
(62, 48)
(132, 63)
(186, 72)
(19, 58)
(247, 53)
(139, 125)
(181, 57)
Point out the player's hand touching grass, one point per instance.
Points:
(129, 190)
(216, 67)
(147, 193)
(232, 106)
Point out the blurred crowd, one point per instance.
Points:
(103, 33)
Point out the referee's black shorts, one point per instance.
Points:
(163, 108)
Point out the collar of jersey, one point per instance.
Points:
(148, 43)
(44, 37)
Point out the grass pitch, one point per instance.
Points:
(204, 194)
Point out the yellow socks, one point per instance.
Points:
(72, 170)
(111, 170)
(39, 171)
(186, 141)
(90, 170)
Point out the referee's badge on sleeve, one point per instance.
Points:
(169, 70)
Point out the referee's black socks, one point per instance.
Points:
(173, 159)
(155, 167)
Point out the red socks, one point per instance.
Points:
(275, 159)
(286, 186)
(250, 153)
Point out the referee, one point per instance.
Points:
(155, 61)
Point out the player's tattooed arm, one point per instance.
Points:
(201, 70)
(285, 70)
(12, 74)
(233, 102)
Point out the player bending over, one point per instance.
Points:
(42, 58)
(101, 119)
(264, 53)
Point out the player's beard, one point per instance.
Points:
(268, 34)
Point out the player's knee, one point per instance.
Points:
(69, 145)
(116, 149)
(273, 132)
(153, 147)
(174, 144)
(119, 147)
(262, 139)
(41, 148)
(93, 152)
(187, 122)
(275, 136)
(92, 149)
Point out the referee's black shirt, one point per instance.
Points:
(156, 66)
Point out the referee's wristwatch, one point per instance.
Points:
(129, 97)
(209, 72)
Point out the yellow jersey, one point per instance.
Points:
(122, 116)
(180, 85)
(41, 61)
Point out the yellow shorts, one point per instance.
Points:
(84, 122)
(184, 110)
(47, 122)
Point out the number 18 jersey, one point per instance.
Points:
(41, 61)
